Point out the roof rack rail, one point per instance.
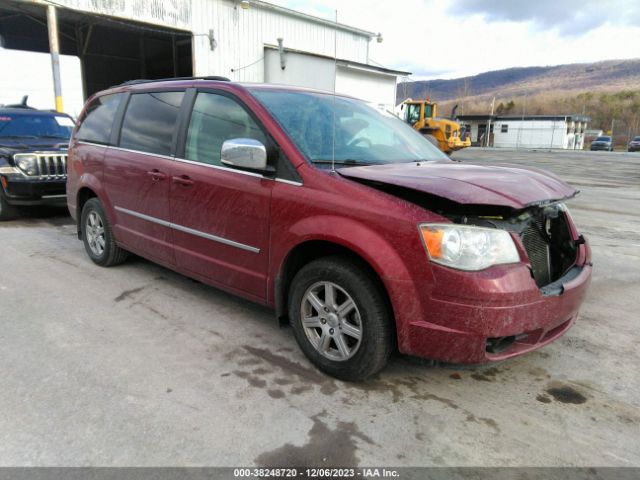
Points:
(142, 80)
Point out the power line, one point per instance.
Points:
(247, 66)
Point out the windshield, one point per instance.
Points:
(363, 134)
(603, 139)
(33, 126)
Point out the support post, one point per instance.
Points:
(488, 135)
(54, 48)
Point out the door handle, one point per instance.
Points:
(183, 180)
(156, 175)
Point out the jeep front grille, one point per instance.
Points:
(51, 165)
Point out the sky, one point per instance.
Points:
(458, 38)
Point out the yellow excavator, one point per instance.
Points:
(444, 133)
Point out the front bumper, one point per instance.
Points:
(28, 191)
(605, 148)
(491, 315)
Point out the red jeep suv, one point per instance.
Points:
(351, 225)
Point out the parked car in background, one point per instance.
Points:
(33, 155)
(349, 223)
(604, 142)
(634, 144)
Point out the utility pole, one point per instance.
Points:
(488, 137)
(613, 122)
(518, 138)
(54, 48)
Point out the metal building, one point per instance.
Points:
(528, 131)
(254, 41)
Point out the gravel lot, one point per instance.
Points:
(137, 365)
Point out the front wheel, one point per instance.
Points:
(341, 318)
(97, 236)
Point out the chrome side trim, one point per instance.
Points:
(289, 182)
(157, 155)
(191, 231)
(84, 142)
(218, 167)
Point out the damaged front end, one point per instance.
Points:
(508, 271)
(545, 230)
(545, 234)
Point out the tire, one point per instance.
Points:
(97, 236)
(370, 315)
(7, 212)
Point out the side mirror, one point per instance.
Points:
(245, 153)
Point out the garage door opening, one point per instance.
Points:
(111, 50)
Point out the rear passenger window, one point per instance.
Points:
(216, 118)
(98, 120)
(150, 121)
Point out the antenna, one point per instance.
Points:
(335, 73)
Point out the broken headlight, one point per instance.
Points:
(467, 247)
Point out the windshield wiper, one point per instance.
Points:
(18, 136)
(55, 136)
(347, 161)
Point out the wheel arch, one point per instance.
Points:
(84, 194)
(308, 251)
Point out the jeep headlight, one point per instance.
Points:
(27, 163)
(468, 247)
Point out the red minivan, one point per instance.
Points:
(353, 227)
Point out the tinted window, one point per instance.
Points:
(98, 119)
(216, 118)
(35, 125)
(603, 139)
(150, 121)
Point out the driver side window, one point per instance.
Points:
(215, 119)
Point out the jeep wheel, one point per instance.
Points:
(341, 318)
(97, 236)
(7, 212)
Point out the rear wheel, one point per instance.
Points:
(340, 318)
(7, 212)
(97, 236)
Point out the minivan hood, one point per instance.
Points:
(501, 185)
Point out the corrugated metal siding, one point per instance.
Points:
(168, 13)
(240, 34)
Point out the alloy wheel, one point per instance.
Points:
(94, 230)
(331, 321)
